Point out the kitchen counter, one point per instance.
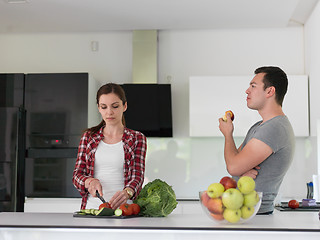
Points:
(177, 225)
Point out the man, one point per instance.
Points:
(267, 150)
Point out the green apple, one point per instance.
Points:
(246, 184)
(215, 190)
(232, 215)
(251, 199)
(232, 198)
(247, 212)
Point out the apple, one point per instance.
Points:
(232, 215)
(293, 204)
(215, 190)
(215, 205)
(205, 198)
(246, 212)
(232, 198)
(218, 217)
(224, 118)
(251, 199)
(246, 184)
(228, 182)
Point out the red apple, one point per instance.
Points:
(293, 204)
(228, 182)
(218, 217)
(225, 115)
(215, 205)
(205, 198)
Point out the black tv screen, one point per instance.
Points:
(149, 109)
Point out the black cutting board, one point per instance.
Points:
(76, 214)
(284, 207)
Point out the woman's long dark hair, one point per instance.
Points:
(106, 89)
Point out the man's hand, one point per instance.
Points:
(252, 172)
(226, 127)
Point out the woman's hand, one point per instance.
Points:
(93, 184)
(119, 198)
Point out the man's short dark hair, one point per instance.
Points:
(276, 77)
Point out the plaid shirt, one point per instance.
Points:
(135, 147)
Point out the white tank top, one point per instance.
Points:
(108, 168)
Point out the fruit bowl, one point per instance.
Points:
(215, 210)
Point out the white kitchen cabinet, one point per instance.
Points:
(190, 223)
(211, 96)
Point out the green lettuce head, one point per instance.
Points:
(156, 199)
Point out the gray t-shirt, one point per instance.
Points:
(278, 134)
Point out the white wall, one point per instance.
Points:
(223, 52)
(229, 52)
(312, 62)
(69, 53)
(189, 164)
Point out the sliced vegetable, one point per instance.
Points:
(105, 212)
(118, 212)
(86, 211)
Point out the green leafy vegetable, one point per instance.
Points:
(156, 199)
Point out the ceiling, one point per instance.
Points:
(105, 15)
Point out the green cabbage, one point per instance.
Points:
(156, 199)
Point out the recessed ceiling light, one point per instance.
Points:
(17, 1)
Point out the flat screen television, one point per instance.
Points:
(149, 109)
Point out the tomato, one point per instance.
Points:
(126, 209)
(135, 208)
(293, 204)
(105, 205)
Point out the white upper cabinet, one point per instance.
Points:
(211, 96)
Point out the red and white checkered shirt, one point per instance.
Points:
(135, 147)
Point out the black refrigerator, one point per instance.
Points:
(12, 142)
(42, 118)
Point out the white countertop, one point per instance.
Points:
(294, 221)
(180, 222)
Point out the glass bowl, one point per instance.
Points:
(215, 210)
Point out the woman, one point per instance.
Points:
(111, 157)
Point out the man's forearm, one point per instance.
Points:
(230, 151)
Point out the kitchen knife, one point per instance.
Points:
(100, 197)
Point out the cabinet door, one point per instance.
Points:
(211, 96)
(57, 109)
(296, 104)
